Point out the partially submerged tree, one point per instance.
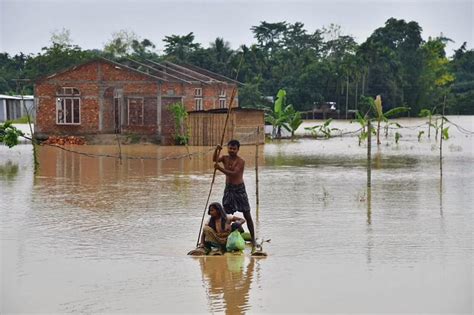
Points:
(9, 134)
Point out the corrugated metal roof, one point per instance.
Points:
(16, 97)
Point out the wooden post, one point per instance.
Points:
(256, 169)
(347, 93)
(369, 148)
(441, 140)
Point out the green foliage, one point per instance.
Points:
(313, 66)
(293, 119)
(420, 133)
(283, 116)
(427, 113)
(9, 135)
(280, 101)
(381, 116)
(250, 96)
(397, 137)
(462, 89)
(133, 138)
(322, 129)
(22, 120)
(180, 48)
(445, 133)
(180, 116)
(364, 122)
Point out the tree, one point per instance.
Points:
(9, 134)
(61, 37)
(269, 35)
(462, 66)
(393, 57)
(121, 43)
(180, 47)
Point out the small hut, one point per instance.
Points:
(245, 124)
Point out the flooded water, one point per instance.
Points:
(95, 234)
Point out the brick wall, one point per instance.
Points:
(102, 83)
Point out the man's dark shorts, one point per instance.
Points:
(235, 199)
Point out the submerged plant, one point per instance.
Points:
(293, 119)
(363, 122)
(397, 136)
(381, 116)
(428, 113)
(283, 116)
(420, 133)
(322, 129)
(180, 115)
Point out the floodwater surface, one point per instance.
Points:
(91, 233)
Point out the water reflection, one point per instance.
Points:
(8, 171)
(124, 230)
(227, 282)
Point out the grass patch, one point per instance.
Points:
(22, 120)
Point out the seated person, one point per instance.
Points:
(218, 228)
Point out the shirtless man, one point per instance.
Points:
(235, 196)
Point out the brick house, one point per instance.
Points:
(105, 97)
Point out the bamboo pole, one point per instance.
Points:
(256, 169)
(369, 156)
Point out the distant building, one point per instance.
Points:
(11, 107)
(106, 97)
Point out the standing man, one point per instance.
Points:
(235, 196)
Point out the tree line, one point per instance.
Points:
(312, 67)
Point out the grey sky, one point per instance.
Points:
(26, 25)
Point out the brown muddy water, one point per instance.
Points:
(93, 235)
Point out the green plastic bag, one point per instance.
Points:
(235, 242)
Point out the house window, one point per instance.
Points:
(198, 102)
(68, 106)
(135, 111)
(222, 93)
(68, 91)
(198, 92)
(222, 103)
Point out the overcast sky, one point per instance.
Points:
(26, 25)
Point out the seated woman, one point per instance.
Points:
(218, 228)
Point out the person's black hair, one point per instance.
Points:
(233, 143)
(223, 214)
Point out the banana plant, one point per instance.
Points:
(323, 129)
(283, 116)
(387, 126)
(363, 122)
(428, 113)
(438, 125)
(381, 116)
(293, 119)
(277, 117)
